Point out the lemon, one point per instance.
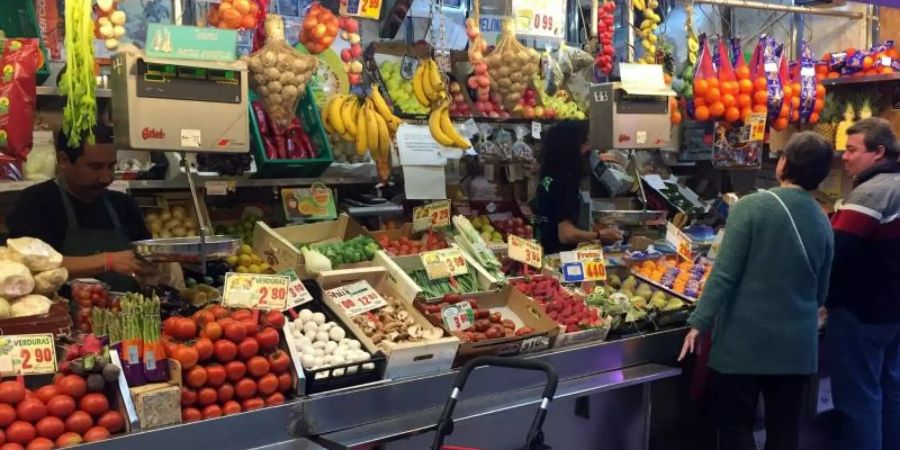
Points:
(254, 268)
(232, 260)
(241, 269)
(245, 260)
(246, 249)
(256, 259)
(264, 268)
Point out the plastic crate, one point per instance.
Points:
(19, 21)
(293, 168)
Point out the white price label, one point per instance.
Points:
(544, 18)
(525, 251)
(640, 137)
(119, 186)
(808, 72)
(433, 215)
(445, 263)
(886, 61)
(252, 290)
(27, 354)
(216, 187)
(297, 293)
(770, 67)
(679, 240)
(356, 298)
(190, 138)
(458, 317)
(536, 130)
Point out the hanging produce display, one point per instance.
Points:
(428, 83)
(647, 28)
(728, 86)
(320, 28)
(110, 23)
(606, 52)
(351, 56)
(511, 65)
(369, 124)
(78, 81)
(234, 14)
(479, 81)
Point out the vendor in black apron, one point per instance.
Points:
(558, 198)
(91, 226)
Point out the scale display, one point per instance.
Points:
(178, 82)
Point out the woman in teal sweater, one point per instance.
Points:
(762, 299)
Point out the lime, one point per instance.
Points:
(241, 269)
(254, 268)
(245, 260)
(246, 249)
(232, 260)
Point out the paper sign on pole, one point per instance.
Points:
(27, 354)
(252, 290)
(356, 298)
(679, 240)
(432, 215)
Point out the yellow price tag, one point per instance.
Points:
(444, 263)
(27, 354)
(251, 290)
(525, 251)
(594, 270)
(679, 240)
(367, 9)
(432, 215)
(757, 126)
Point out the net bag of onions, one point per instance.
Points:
(511, 65)
(279, 73)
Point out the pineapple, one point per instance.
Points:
(828, 120)
(866, 101)
(840, 136)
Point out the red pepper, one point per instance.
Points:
(261, 118)
(271, 152)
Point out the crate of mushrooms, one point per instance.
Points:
(366, 300)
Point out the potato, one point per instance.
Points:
(179, 231)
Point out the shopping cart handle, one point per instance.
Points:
(512, 363)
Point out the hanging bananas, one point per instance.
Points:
(428, 83)
(367, 123)
(648, 28)
(442, 129)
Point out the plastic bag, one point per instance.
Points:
(19, 62)
(728, 85)
(520, 150)
(552, 73)
(504, 141)
(744, 81)
(279, 73)
(511, 66)
(811, 95)
(707, 95)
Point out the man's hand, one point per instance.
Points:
(609, 235)
(124, 262)
(690, 343)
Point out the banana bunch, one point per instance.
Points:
(442, 129)
(693, 42)
(428, 83)
(648, 28)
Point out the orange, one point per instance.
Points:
(701, 113)
(254, 9)
(716, 109)
(833, 75)
(713, 82)
(820, 76)
(700, 87)
(822, 68)
(788, 91)
(699, 101)
(795, 115)
(795, 102)
(785, 111)
(814, 117)
(760, 84)
(242, 6)
(820, 103)
(892, 52)
(820, 91)
(713, 95)
(744, 100)
(733, 88)
(230, 18)
(676, 117)
(886, 69)
(728, 100)
(248, 22)
(213, 16)
(795, 88)
(745, 113)
(743, 73)
(780, 123)
(760, 108)
(745, 86)
(732, 114)
(868, 62)
(760, 98)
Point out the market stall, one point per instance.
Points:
(332, 207)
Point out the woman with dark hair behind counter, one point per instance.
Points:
(558, 197)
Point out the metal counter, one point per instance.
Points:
(603, 401)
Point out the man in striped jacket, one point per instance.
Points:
(864, 298)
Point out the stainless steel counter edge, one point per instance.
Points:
(340, 410)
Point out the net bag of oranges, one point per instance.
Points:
(728, 86)
(808, 92)
(511, 66)
(234, 14)
(707, 103)
(744, 81)
(278, 73)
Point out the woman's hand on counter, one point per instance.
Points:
(690, 343)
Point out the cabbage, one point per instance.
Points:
(15, 279)
(30, 305)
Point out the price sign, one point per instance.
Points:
(433, 215)
(544, 18)
(356, 298)
(27, 354)
(458, 317)
(251, 290)
(444, 263)
(679, 240)
(583, 265)
(525, 251)
(757, 126)
(297, 293)
(367, 9)
(534, 344)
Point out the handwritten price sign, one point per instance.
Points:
(544, 18)
(356, 298)
(445, 263)
(27, 354)
(297, 293)
(368, 9)
(433, 215)
(525, 251)
(458, 317)
(679, 240)
(250, 290)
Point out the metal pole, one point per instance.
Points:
(796, 34)
(595, 8)
(201, 220)
(784, 8)
(875, 24)
(629, 26)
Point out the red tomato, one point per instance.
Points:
(267, 384)
(212, 411)
(196, 377)
(96, 434)
(234, 332)
(248, 348)
(69, 439)
(190, 415)
(212, 331)
(268, 338)
(205, 349)
(12, 446)
(186, 356)
(171, 348)
(169, 325)
(79, 422)
(46, 393)
(50, 427)
(253, 403)
(7, 415)
(203, 317)
(250, 326)
(245, 389)
(285, 382)
(206, 396)
(94, 404)
(235, 370)
(219, 311)
(31, 410)
(73, 386)
(225, 350)
(61, 406)
(112, 421)
(275, 399)
(279, 361)
(188, 396)
(242, 314)
(215, 375)
(41, 443)
(257, 366)
(11, 392)
(231, 407)
(184, 329)
(20, 432)
(225, 392)
(274, 319)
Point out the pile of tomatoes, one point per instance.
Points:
(406, 246)
(230, 361)
(61, 414)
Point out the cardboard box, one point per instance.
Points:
(397, 266)
(276, 245)
(512, 305)
(407, 359)
(152, 405)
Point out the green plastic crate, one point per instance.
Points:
(18, 20)
(293, 168)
